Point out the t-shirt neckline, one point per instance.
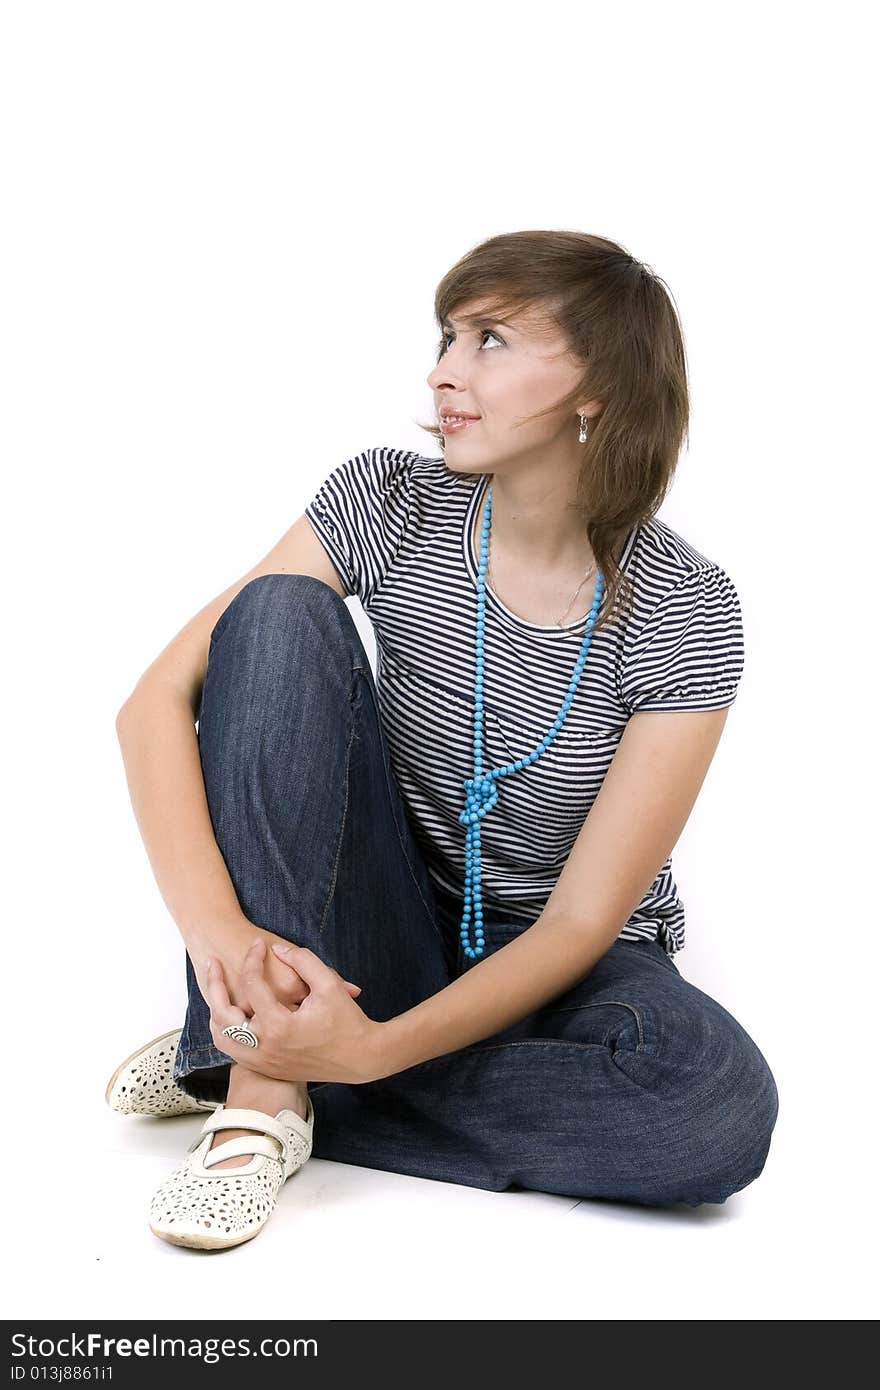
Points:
(475, 504)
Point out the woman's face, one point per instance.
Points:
(503, 372)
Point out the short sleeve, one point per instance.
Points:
(360, 514)
(689, 652)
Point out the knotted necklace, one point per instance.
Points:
(481, 792)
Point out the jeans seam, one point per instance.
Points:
(335, 874)
(429, 908)
(497, 1047)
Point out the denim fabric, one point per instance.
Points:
(633, 1085)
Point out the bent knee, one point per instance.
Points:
(731, 1141)
(719, 1107)
(273, 610)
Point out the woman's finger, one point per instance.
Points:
(223, 1011)
(215, 986)
(260, 995)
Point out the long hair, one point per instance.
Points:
(620, 321)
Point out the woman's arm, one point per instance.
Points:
(163, 767)
(160, 749)
(640, 811)
(549, 957)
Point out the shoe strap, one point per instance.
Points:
(246, 1144)
(238, 1118)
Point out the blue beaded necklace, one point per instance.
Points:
(481, 793)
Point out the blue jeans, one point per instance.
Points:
(633, 1085)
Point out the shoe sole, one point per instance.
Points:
(196, 1242)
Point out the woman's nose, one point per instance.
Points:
(442, 377)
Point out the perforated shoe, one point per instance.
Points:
(142, 1084)
(210, 1208)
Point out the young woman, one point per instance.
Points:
(430, 919)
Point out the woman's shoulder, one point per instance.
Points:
(392, 459)
(425, 476)
(662, 558)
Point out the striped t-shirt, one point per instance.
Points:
(398, 527)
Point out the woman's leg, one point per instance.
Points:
(305, 809)
(634, 1085)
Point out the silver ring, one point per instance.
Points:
(239, 1033)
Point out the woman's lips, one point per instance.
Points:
(456, 426)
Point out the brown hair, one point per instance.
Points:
(620, 320)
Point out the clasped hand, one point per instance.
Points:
(327, 1037)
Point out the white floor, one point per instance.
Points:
(348, 1242)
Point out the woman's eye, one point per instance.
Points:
(446, 339)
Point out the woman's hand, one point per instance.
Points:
(231, 950)
(327, 1038)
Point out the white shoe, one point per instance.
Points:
(210, 1208)
(142, 1085)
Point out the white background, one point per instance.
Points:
(222, 229)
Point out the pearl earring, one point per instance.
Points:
(583, 432)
